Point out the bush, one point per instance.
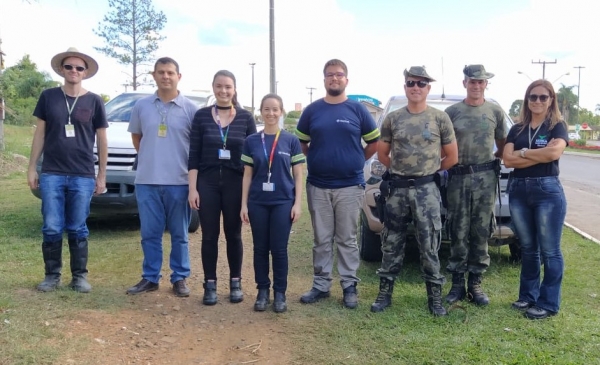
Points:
(580, 142)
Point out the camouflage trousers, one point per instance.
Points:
(420, 205)
(471, 200)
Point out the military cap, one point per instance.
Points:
(477, 72)
(418, 71)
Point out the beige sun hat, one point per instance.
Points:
(91, 64)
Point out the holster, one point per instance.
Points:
(441, 179)
(381, 198)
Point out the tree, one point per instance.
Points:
(567, 103)
(21, 86)
(515, 108)
(130, 31)
(294, 114)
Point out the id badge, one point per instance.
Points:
(162, 130)
(268, 186)
(224, 154)
(70, 130)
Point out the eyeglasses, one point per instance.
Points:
(70, 67)
(421, 84)
(339, 75)
(533, 98)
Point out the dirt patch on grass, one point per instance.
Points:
(11, 163)
(165, 329)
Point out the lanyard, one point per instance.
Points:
(223, 136)
(269, 158)
(70, 109)
(536, 130)
(160, 110)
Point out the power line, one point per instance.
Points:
(543, 63)
(578, 89)
(311, 92)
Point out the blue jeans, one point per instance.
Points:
(271, 225)
(538, 208)
(160, 207)
(65, 205)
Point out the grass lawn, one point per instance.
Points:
(323, 333)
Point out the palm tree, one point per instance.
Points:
(567, 102)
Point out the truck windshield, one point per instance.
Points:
(119, 108)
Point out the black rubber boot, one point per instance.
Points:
(474, 291)
(262, 300)
(458, 291)
(78, 247)
(279, 304)
(210, 293)
(434, 299)
(52, 253)
(384, 298)
(235, 291)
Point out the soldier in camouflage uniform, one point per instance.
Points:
(416, 135)
(472, 186)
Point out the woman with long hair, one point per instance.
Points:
(215, 181)
(537, 200)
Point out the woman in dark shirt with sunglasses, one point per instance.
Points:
(537, 200)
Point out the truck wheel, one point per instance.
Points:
(194, 222)
(369, 243)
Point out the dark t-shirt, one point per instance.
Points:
(520, 139)
(205, 140)
(70, 155)
(287, 154)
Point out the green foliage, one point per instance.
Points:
(567, 103)
(131, 33)
(21, 86)
(515, 108)
(105, 98)
(586, 116)
(580, 142)
(294, 114)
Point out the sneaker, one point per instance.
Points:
(181, 289)
(313, 295)
(142, 287)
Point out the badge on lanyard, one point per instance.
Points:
(162, 130)
(162, 127)
(70, 128)
(269, 186)
(224, 153)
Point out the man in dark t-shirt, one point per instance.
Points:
(69, 120)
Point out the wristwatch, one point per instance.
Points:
(523, 152)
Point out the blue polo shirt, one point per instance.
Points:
(287, 154)
(335, 132)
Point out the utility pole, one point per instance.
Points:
(2, 106)
(272, 44)
(252, 65)
(578, 89)
(310, 92)
(543, 63)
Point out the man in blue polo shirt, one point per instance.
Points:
(160, 128)
(331, 131)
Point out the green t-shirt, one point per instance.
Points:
(416, 140)
(476, 128)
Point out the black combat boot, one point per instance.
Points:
(78, 247)
(235, 291)
(434, 299)
(279, 304)
(474, 291)
(262, 300)
(458, 291)
(210, 292)
(52, 253)
(384, 298)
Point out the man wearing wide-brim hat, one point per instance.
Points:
(413, 139)
(471, 192)
(69, 120)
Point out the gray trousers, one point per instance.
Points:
(334, 215)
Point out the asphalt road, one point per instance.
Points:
(580, 177)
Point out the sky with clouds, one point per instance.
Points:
(377, 39)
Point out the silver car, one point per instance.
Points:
(370, 226)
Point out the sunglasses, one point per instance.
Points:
(70, 67)
(339, 75)
(533, 98)
(421, 84)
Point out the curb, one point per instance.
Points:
(582, 233)
(590, 155)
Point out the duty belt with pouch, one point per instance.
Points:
(398, 181)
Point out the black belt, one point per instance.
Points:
(471, 169)
(398, 181)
